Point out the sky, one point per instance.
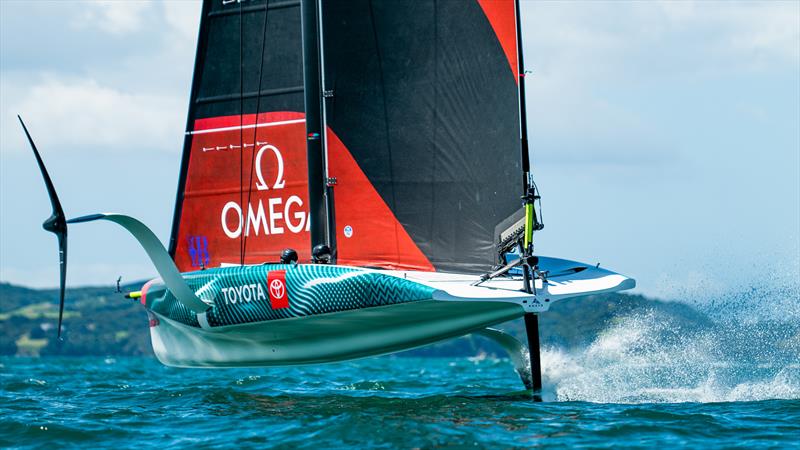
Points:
(665, 135)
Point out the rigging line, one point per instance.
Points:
(393, 207)
(241, 139)
(258, 107)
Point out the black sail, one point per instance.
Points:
(234, 35)
(423, 99)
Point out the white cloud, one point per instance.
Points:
(115, 17)
(595, 63)
(84, 115)
(753, 32)
(184, 17)
(608, 38)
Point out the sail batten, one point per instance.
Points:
(200, 130)
(252, 94)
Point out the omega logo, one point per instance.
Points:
(276, 215)
(261, 185)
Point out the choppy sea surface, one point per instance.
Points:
(607, 395)
(645, 380)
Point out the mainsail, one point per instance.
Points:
(422, 142)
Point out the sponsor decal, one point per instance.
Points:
(243, 294)
(278, 217)
(278, 293)
(198, 251)
(280, 183)
(348, 231)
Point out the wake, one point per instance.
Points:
(743, 353)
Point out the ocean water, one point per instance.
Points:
(643, 382)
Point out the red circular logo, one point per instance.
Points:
(277, 288)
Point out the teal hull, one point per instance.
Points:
(324, 338)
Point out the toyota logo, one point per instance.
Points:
(277, 289)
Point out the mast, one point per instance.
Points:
(313, 111)
(523, 117)
(330, 182)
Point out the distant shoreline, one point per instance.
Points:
(102, 323)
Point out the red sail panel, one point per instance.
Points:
(367, 232)
(218, 211)
(502, 16)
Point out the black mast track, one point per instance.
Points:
(202, 43)
(313, 108)
(523, 116)
(330, 204)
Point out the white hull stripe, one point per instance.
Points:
(244, 127)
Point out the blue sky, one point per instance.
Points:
(666, 135)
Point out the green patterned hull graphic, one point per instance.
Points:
(241, 295)
(325, 338)
(327, 313)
